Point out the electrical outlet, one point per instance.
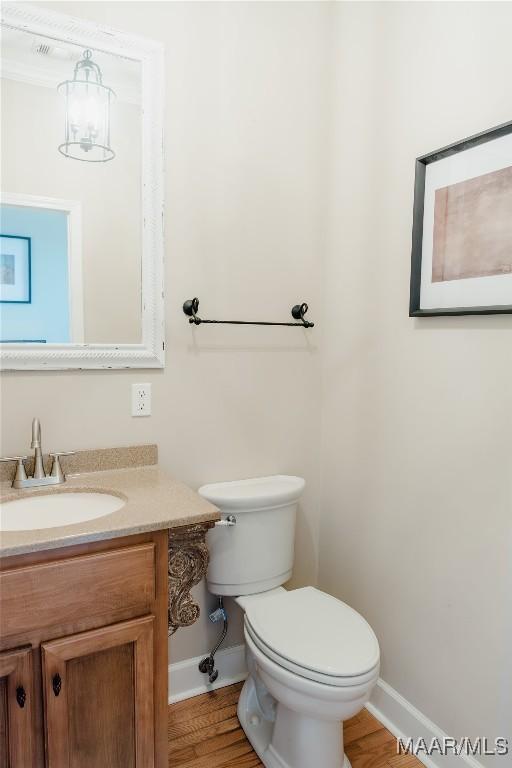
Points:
(141, 399)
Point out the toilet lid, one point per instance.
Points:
(315, 631)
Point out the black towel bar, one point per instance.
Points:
(191, 307)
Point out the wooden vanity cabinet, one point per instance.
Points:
(83, 632)
(16, 709)
(98, 694)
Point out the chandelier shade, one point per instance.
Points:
(87, 114)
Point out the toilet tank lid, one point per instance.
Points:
(254, 493)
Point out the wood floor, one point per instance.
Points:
(204, 733)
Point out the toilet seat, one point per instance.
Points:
(313, 635)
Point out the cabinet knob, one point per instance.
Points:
(21, 696)
(56, 684)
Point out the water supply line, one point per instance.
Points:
(207, 665)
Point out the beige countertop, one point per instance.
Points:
(153, 501)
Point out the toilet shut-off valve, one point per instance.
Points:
(226, 521)
(207, 665)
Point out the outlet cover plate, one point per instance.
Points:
(141, 399)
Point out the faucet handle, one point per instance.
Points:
(56, 470)
(20, 467)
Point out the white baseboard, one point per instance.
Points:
(405, 721)
(185, 679)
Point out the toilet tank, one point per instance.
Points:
(256, 554)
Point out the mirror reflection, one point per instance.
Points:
(71, 223)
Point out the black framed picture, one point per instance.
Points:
(462, 228)
(15, 269)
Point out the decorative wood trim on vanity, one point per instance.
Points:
(188, 562)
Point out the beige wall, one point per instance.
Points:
(416, 526)
(109, 193)
(246, 90)
(291, 136)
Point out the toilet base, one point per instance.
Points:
(285, 739)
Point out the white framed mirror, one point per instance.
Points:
(81, 217)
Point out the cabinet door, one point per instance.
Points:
(16, 708)
(98, 692)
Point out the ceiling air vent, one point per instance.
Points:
(52, 51)
(42, 48)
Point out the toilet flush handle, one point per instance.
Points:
(229, 520)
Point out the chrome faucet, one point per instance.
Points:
(39, 477)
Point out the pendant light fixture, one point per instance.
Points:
(87, 109)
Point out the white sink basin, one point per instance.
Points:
(55, 509)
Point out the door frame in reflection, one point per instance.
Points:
(73, 209)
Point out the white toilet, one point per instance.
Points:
(312, 659)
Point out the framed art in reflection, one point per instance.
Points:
(15, 269)
(462, 228)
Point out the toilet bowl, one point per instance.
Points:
(312, 659)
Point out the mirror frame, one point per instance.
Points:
(150, 353)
